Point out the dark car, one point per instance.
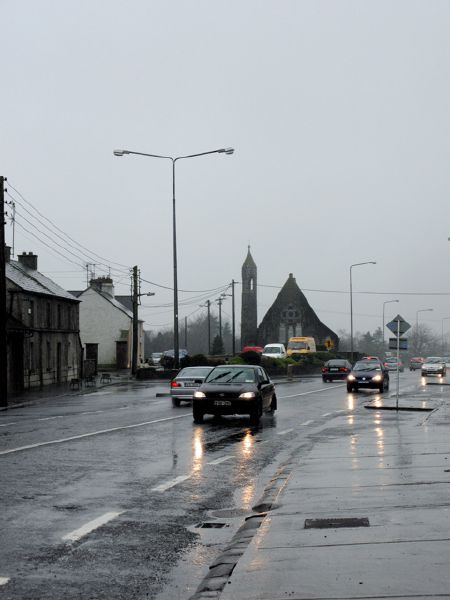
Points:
(368, 374)
(189, 379)
(415, 363)
(235, 389)
(336, 368)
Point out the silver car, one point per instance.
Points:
(434, 365)
(188, 380)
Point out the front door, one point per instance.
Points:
(121, 355)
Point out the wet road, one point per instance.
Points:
(102, 494)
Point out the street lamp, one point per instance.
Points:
(384, 303)
(442, 339)
(174, 159)
(370, 262)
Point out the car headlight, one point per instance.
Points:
(247, 395)
(377, 378)
(199, 395)
(351, 378)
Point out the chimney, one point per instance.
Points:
(28, 261)
(7, 253)
(103, 284)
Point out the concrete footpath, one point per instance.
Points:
(363, 511)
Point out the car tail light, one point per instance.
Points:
(324, 369)
(344, 369)
(175, 384)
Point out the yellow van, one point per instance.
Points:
(301, 345)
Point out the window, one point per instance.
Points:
(49, 315)
(49, 356)
(31, 313)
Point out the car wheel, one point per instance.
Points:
(382, 388)
(324, 379)
(197, 414)
(175, 402)
(349, 388)
(255, 413)
(273, 404)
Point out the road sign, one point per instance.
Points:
(402, 343)
(329, 344)
(398, 325)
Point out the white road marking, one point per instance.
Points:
(50, 418)
(4, 580)
(96, 393)
(285, 432)
(92, 412)
(6, 424)
(74, 536)
(327, 389)
(124, 407)
(220, 460)
(327, 414)
(85, 435)
(306, 423)
(169, 484)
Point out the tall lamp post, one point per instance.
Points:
(442, 335)
(384, 304)
(174, 159)
(369, 262)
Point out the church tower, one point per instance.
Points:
(249, 314)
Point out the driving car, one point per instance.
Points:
(189, 379)
(257, 349)
(235, 389)
(274, 351)
(416, 363)
(446, 359)
(433, 365)
(368, 374)
(391, 364)
(335, 368)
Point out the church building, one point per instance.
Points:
(290, 315)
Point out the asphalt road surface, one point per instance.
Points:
(107, 494)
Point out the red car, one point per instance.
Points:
(416, 363)
(257, 349)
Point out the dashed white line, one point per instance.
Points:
(6, 424)
(327, 389)
(306, 423)
(4, 580)
(169, 484)
(91, 412)
(285, 431)
(124, 407)
(327, 414)
(220, 460)
(50, 418)
(74, 536)
(86, 435)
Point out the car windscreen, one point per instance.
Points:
(227, 375)
(272, 350)
(336, 363)
(297, 345)
(433, 359)
(194, 372)
(367, 366)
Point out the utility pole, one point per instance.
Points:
(233, 320)
(3, 338)
(135, 321)
(219, 302)
(185, 333)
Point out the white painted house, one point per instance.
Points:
(106, 326)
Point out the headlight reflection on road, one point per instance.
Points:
(247, 444)
(197, 451)
(350, 401)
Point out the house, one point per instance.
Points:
(106, 326)
(43, 343)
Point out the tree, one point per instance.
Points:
(217, 347)
(422, 341)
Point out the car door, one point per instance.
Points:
(267, 388)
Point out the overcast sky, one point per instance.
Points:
(338, 112)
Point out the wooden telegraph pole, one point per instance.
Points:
(3, 340)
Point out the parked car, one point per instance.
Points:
(368, 374)
(336, 368)
(391, 365)
(274, 351)
(433, 365)
(189, 379)
(257, 349)
(235, 389)
(416, 363)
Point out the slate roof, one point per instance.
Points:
(127, 301)
(34, 282)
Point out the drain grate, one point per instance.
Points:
(212, 525)
(333, 523)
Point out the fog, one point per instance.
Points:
(338, 113)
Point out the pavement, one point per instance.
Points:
(361, 510)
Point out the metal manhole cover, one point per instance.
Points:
(333, 523)
(212, 525)
(230, 513)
